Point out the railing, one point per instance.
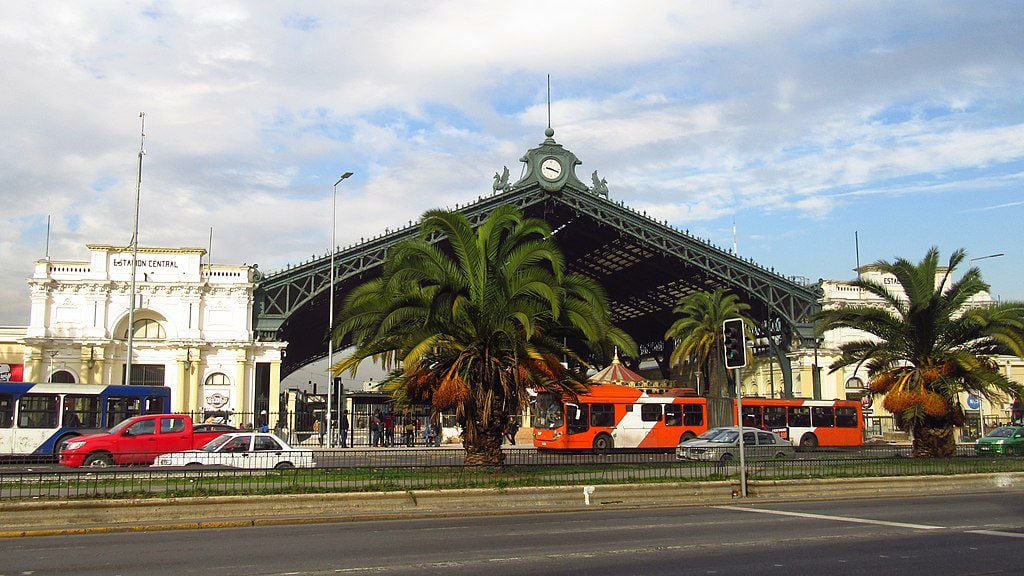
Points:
(356, 470)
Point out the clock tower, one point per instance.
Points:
(550, 166)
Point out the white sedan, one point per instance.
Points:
(251, 450)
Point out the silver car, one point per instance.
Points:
(723, 446)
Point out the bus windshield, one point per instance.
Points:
(549, 413)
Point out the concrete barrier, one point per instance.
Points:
(66, 517)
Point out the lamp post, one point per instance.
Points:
(330, 312)
(981, 400)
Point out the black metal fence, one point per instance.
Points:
(357, 470)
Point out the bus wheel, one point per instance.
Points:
(61, 440)
(603, 444)
(98, 460)
(686, 436)
(809, 441)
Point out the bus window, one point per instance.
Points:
(693, 415)
(650, 412)
(799, 417)
(154, 405)
(548, 412)
(774, 417)
(752, 416)
(38, 411)
(577, 418)
(121, 408)
(846, 417)
(673, 415)
(81, 411)
(6, 410)
(823, 417)
(602, 415)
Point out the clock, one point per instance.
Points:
(550, 169)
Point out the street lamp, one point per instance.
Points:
(981, 401)
(330, 311)
(996, 255)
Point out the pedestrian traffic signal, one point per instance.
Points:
(734, 342)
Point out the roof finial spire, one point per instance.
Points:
(549, 132)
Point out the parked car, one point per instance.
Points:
(250, 450)
(138, 440)
(1008, 440)
(724, 445)
(707, 435)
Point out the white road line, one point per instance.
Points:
(836, 518)
(996, 533)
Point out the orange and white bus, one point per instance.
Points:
(611, 416)
(807, 423)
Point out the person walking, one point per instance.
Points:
(318, 432)
(389, 430)
(375, 429)
(343, 426)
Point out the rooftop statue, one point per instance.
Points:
(501, 182)
(600, 186)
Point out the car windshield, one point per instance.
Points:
(212, 445)
(1004, 432)
(712, 433)
(726, 437)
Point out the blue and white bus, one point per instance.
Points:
(36, 418)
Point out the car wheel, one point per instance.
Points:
(726, 457)
(603, 444)
(98, 460)
(780, 455)
(687, 436)
(193, 465)
(809, 441)
(284, 466)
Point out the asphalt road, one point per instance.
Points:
(961, 535)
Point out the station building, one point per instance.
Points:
(192, 330)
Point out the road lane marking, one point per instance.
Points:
(836, 518)
(996, 533)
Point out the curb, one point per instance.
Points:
(44, 518)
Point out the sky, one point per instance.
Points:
(800, 125)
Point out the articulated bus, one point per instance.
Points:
(611, 416)
(36, 418)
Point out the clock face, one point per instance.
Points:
(551, 169)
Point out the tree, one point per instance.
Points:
(928, 344)
(471, 322)
(699, 334)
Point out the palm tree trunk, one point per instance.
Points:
(483, 444)
(934, 440)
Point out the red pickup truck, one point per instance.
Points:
(139, 440)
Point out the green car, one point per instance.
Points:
(1007, 440)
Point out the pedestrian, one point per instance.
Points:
(343, 426)
(513, 428)
(375, 429)
(389, 430)
(410, 431)
(429, 434)
(318, 432)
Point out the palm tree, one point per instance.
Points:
(699, 334)
(471, 323)
(927, 345)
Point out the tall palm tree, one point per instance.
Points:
(927, 345)
(699, 334)
(469, 324)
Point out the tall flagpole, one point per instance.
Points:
(135, 254)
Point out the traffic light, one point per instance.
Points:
(735, 343)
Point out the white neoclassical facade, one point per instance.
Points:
(193, 328)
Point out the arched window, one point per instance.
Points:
(217, 379)
(148, 329)
(62, 377)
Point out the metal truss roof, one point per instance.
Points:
(644, 265)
